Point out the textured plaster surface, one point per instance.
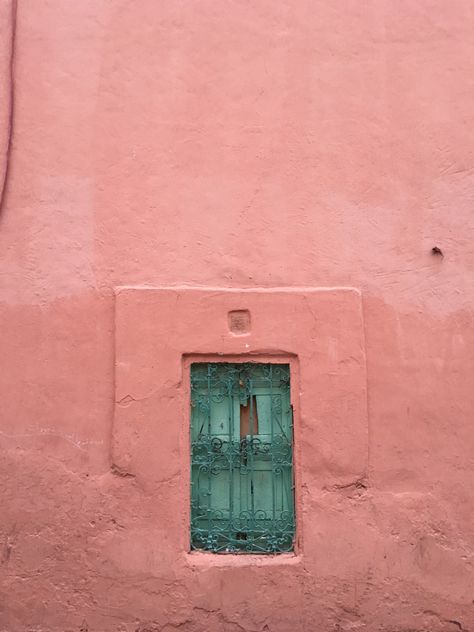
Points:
(232, 145)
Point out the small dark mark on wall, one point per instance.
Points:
(437, 252)
(7, 550)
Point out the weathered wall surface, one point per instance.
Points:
(238, 145)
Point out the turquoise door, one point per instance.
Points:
(242, 496)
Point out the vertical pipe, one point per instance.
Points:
(11, 104)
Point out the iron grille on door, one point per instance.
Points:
(242, 494)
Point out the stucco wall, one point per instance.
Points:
(234, 144)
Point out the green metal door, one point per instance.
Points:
(242, 494)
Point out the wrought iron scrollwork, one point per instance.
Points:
(242, 485)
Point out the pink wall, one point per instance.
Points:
(296, 144)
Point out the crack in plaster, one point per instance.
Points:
(45, 432)
(120, 471)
